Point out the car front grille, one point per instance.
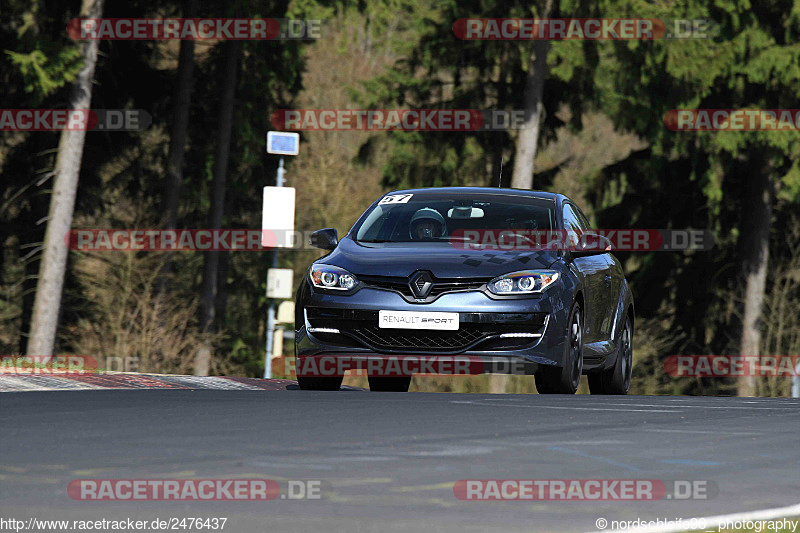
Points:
(440, 286)
(476, 330)
(395, 339)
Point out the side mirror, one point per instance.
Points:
(591, 244)
(327, 239)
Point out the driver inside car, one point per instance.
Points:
(427, 224)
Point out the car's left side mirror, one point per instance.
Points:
(591, 244)
(327, 239)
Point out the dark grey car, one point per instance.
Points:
(554, 311)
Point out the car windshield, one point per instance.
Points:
(413, 217)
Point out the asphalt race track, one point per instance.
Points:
(390, 460)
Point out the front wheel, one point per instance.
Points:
(565, 380)
(617, 379)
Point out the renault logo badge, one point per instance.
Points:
(421, 284)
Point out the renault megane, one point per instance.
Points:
(417, 275)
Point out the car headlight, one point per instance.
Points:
(332, 277)
(523, 282)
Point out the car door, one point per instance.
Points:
(592, 270)
(612, 282)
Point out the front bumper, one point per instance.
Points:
(526, 331)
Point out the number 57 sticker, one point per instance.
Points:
(395, 199)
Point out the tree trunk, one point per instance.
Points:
(62, 203)
(210, 287)
(528, 137)
(177, 143)
(754, 247)
(497, 140)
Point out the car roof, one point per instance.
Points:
(493, 191)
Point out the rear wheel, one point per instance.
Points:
(617, 379)
(565, 380)
(316, 383)
(393, 384)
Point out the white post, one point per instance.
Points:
(280, 143)
(271, 308)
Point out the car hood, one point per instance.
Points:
(441, 259)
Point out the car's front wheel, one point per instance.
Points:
(617, 379)
(565, 379)
(393, 384)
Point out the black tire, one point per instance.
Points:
(316, 383)
(565, 380)
(617, 379)
(394, 384)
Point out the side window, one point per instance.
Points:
(572, 224)
(571, 219)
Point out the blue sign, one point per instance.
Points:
(283, 143)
